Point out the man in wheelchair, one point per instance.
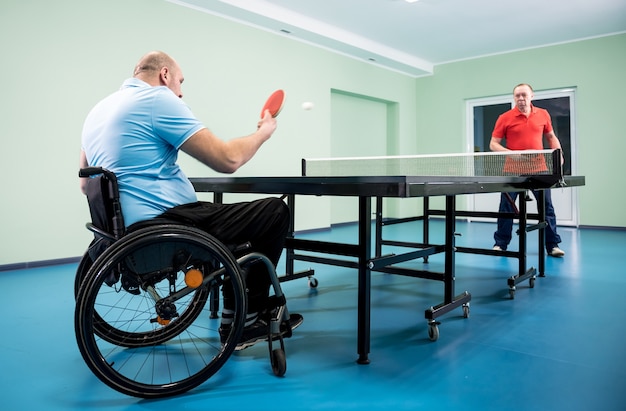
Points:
(137, 132)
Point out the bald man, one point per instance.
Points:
(137, 131)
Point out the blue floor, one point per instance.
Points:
(557, 346)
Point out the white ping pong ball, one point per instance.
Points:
(307, 105)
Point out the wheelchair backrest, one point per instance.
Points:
(104, 202)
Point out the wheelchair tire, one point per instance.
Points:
(121, 335)
(81, 272)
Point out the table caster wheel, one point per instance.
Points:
(433, 331)
(466, 310)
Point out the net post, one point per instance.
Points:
(558, 165)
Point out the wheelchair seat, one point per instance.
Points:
(141, 300)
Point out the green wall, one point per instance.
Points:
(595, 68)
(61, 57)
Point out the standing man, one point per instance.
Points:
(524, 128)
(137, 131)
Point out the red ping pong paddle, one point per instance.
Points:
(274, 103)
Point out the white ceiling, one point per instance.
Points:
(413, 38)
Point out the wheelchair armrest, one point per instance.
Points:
(89, 171)
(92, 171)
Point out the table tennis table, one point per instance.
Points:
(363, 259)
(521, 214)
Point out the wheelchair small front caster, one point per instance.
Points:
(279, 362)
(278, 358)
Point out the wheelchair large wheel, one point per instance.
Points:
(141, 336)
(157, 339)
(118, 333)
(81, 272)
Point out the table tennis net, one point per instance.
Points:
(520, 163)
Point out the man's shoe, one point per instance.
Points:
(258, 331)
(556, 252)
(253, 334)
(497, 248)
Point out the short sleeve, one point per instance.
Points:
(172, 119)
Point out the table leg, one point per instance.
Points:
(541, 209)
(379, 227)
(289, 252)
(365, 250)
(450, 254)
(523, 236)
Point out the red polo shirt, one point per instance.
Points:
(521, 132)
(524, 133)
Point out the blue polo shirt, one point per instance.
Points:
(136, 133)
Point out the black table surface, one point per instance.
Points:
(379, 186)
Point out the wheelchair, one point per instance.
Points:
(146, 300)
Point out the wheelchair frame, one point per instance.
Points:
(142, 322)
